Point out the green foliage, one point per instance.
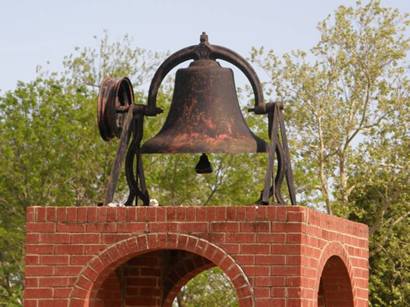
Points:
(11, 269)
(348, 110)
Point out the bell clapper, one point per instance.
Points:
(203, 166)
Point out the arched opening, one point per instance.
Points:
(335, 289)
(150, 269)
(156, 278)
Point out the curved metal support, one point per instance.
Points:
(204, 51)
(166, 66)
(279, 147)
(136, 183)
(119, 157)
(280, 174)
(286, 155)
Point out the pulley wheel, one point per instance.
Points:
(114, 99)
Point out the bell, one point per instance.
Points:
(204, 115)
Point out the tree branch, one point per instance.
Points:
(217, 184)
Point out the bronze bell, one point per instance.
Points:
(204, 115)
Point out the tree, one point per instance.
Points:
(348, 110)
(352, 80)
(47, 140)
(381, 199)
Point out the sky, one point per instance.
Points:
(42, 32)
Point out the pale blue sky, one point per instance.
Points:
(35, 32)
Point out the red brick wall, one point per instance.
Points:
(139, 256)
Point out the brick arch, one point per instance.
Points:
(102, 265)
(335, 267)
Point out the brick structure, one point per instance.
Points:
(142, 256)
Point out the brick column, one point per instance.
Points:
(138, 256)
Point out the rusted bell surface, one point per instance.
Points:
(204, 116)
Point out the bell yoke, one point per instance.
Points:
(204, 117)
